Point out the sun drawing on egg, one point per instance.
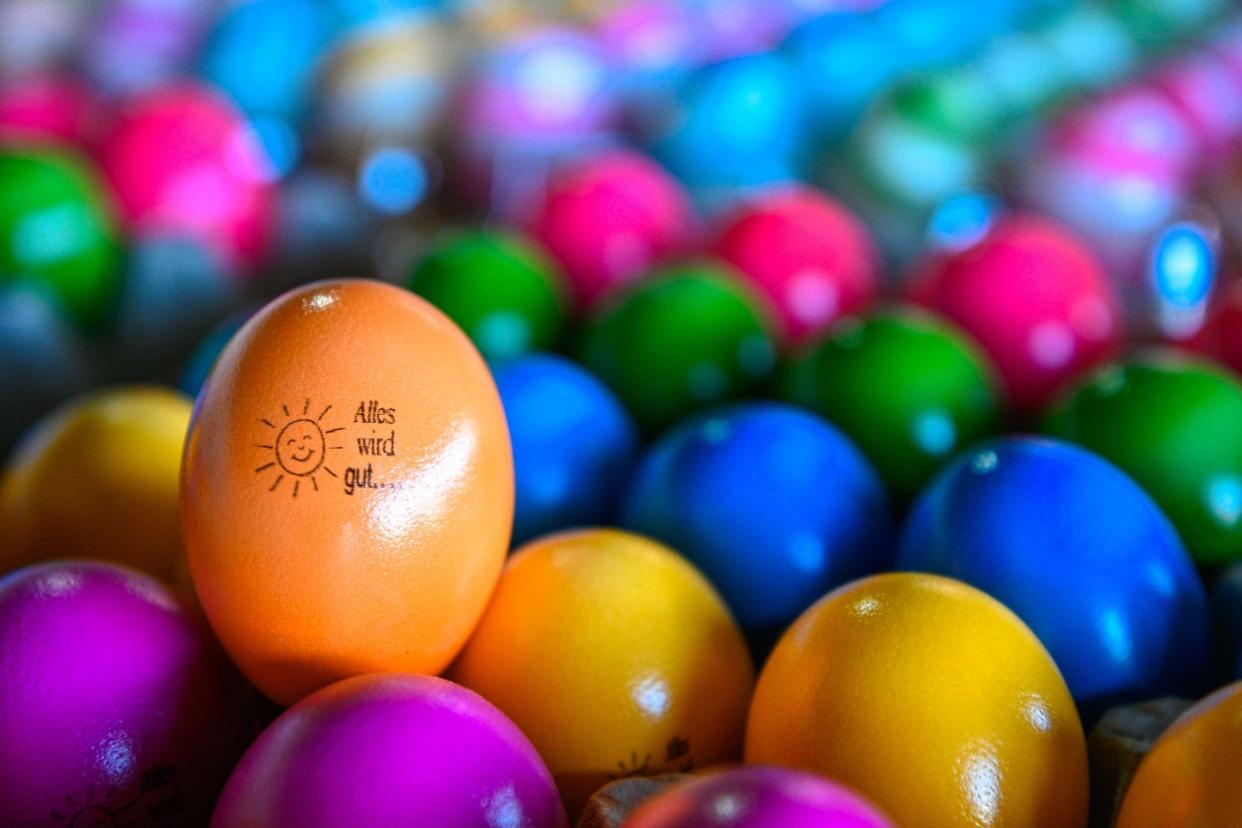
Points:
(299, 449)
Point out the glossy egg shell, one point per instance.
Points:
(97, 478)
(115, 704)
(1189, 779)
(1080, 553)
(930, 699)
(373, 540)
(391, 750)
(731, 490)
(1034, 297)
(614, 656)
(758, 797)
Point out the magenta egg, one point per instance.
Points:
(1034, 296)
(608, 218)
(807, 253)
(182, 161)
(1208, 95)
(391, 749)
(46, 107)
(758, 797)
(116, 706)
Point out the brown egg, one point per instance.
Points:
(347, 489)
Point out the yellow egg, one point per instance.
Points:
(932, 700)
(1193, 776)
(98, 479)
(615, 656)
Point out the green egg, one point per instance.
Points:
(499, 288)
(685, 337)
(58, 232)
(1174, 424)
(907, 386)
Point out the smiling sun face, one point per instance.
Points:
(300, 449)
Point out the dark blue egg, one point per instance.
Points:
(772, 503)
(1082, 554)
(1227, 618)
(574, 445)
(201, 360)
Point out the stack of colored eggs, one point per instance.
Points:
(654, 501)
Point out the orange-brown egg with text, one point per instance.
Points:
(347, 489)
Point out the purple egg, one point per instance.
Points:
(116, 706)
(391, 749)
(758, 797)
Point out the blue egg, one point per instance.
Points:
(1081, 553)
(574, 444)
(843, 61)
(264, 53)
(772, 503)
(173, 289)
(736, 122)
(1227, 618)
(931, 34)
(199, 365)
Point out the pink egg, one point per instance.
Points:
(807, 253)
(183, 162)
(1134, 131)
(1034, 297)
(758, 797)
(1208, 95)
(46, 107)
(116, 707)
(608, 218)
(391, 749)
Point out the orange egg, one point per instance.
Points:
(929, 698)
(347, 489)
(1190, 778)
(615, 657)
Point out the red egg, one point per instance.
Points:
(183, 162)
(807, 253)
(609, 218)
(1034, 297)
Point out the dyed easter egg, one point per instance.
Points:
(57, 230)
(804, 252)
(1227, 621)
(46, 107)
(1174, 424)
(1188, 777)
(182, 161)
(347, 489)
(573, 445)
(204, 355)
(97, 478)
(735, 124)
(1080, 553)
(1034, 298)
(609, 218)
(614, 656)
(501, 290)
(116, 707)
(690, 336)
(387, 750)
(931, 700)
(937, 396)
(729, 490)
(758, 797)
